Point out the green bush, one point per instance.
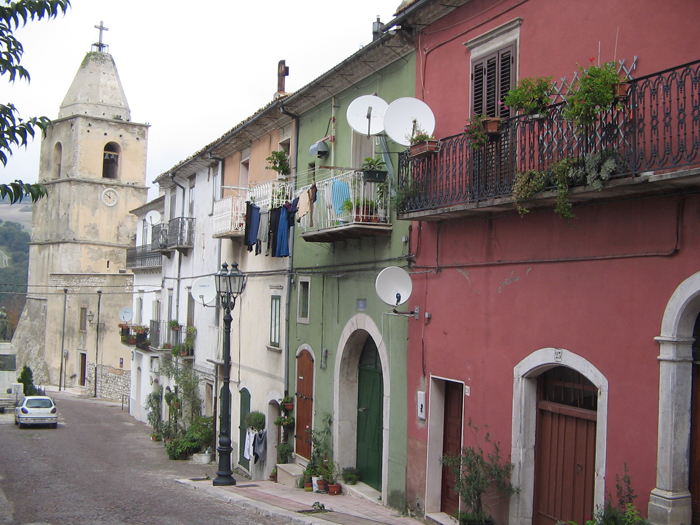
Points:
(255, 420)
(26, 377)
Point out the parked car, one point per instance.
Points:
(36, 410)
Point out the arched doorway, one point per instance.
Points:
(351, 346)
(370, 420)
(244, 395)
(305, 403)
(565, 447)
(695, 428)
(530, 400)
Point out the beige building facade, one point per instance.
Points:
(93, 165)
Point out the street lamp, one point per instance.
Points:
(229, 284)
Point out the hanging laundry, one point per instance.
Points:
(304, 206)
(252, 223)
(292, 208)
(248, 446)
(272, 234)
(312, 200)
(341, 193)
(260, 446)
(263, 230)
(282, 246)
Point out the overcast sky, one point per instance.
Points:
(192, 70)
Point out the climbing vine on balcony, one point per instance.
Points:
(530, 183)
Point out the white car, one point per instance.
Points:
(36, 410)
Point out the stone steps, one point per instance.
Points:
(288, 474)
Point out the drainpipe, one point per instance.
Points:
(179, 253)
(295, 119)
(333, 108)
(63, 339)
(97, 334)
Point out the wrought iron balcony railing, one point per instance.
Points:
(347, 207)
(140, 257)
(654, 130)
(178, 234)
(161, 334)
(229, 212)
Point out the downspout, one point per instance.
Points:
(63, 338)
(97, 334)
(333, 108)
(179, 253)
(295, 120)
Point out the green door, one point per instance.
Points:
(370, 423)
(245, 409)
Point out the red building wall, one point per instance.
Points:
(503, 287)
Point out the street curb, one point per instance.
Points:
(258, 507)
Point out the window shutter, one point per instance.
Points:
(506, 76)
(492, 78)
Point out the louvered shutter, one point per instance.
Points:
(492, 78)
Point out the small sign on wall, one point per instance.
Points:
(8, 362)
(421, 405)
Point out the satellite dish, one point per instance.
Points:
(393, 285)
(153, 217)
(126, 314)
(404, 116)
(204, 290)
(366, 114)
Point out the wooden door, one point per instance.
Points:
(83, 368)
(565, 448)
(451, 443)
(244, 411)
(304, 404)
(370, 417)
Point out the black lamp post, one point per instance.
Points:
(229, 284)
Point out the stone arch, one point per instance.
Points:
(352, 339)
(525, 376)
(670, 501)
(57, 159)
(110, 160)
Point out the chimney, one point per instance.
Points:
(282, 71)
(376, 29)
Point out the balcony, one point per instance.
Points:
(178, 234)
(653, 137)
(141, 258)
(162, 336)
(229, 212)
(346, 207)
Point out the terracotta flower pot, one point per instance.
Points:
(334, 489)
(322, 485)
(423, 149)
(308, 487)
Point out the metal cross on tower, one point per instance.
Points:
(99, 45)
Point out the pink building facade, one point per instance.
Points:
(572, 340)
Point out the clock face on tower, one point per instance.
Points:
(110, 197)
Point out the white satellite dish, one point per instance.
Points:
(404, 116)
(204, 290)
(393, 285)
(366, 114)
(126, 314)
(153, 217)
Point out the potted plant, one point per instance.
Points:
(592, 93)
(422, 144)
(285, 421)
(330, 474)
(479, 128)
(476, 471)
(131, 340)
(531, 96)
(351, 475)
(279, 162)
(255, 420)
(373, 170)
(174, 325)
(284, 452)
(363, 210)
(273, 474)
(288, 403)
(308, 474)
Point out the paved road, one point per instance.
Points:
(100, 467)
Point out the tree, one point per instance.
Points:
(14, 131)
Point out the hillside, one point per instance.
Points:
(20, 213)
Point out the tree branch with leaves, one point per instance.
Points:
(14, 131)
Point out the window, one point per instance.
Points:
(57, 159)
(492, 78)
(494, 68)
(362, 147)
(173, 202)
(155, 312)
(190, 198)
(83, 318)
(303, 293)
(275, 320)
(190, 308)
(139, 308)
(110, 161)
(171, 313)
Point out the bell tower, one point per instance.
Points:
(93, 165)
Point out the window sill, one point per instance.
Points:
(276, 349)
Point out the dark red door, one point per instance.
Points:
(565, 448)
(304, 404)
(451, 442)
